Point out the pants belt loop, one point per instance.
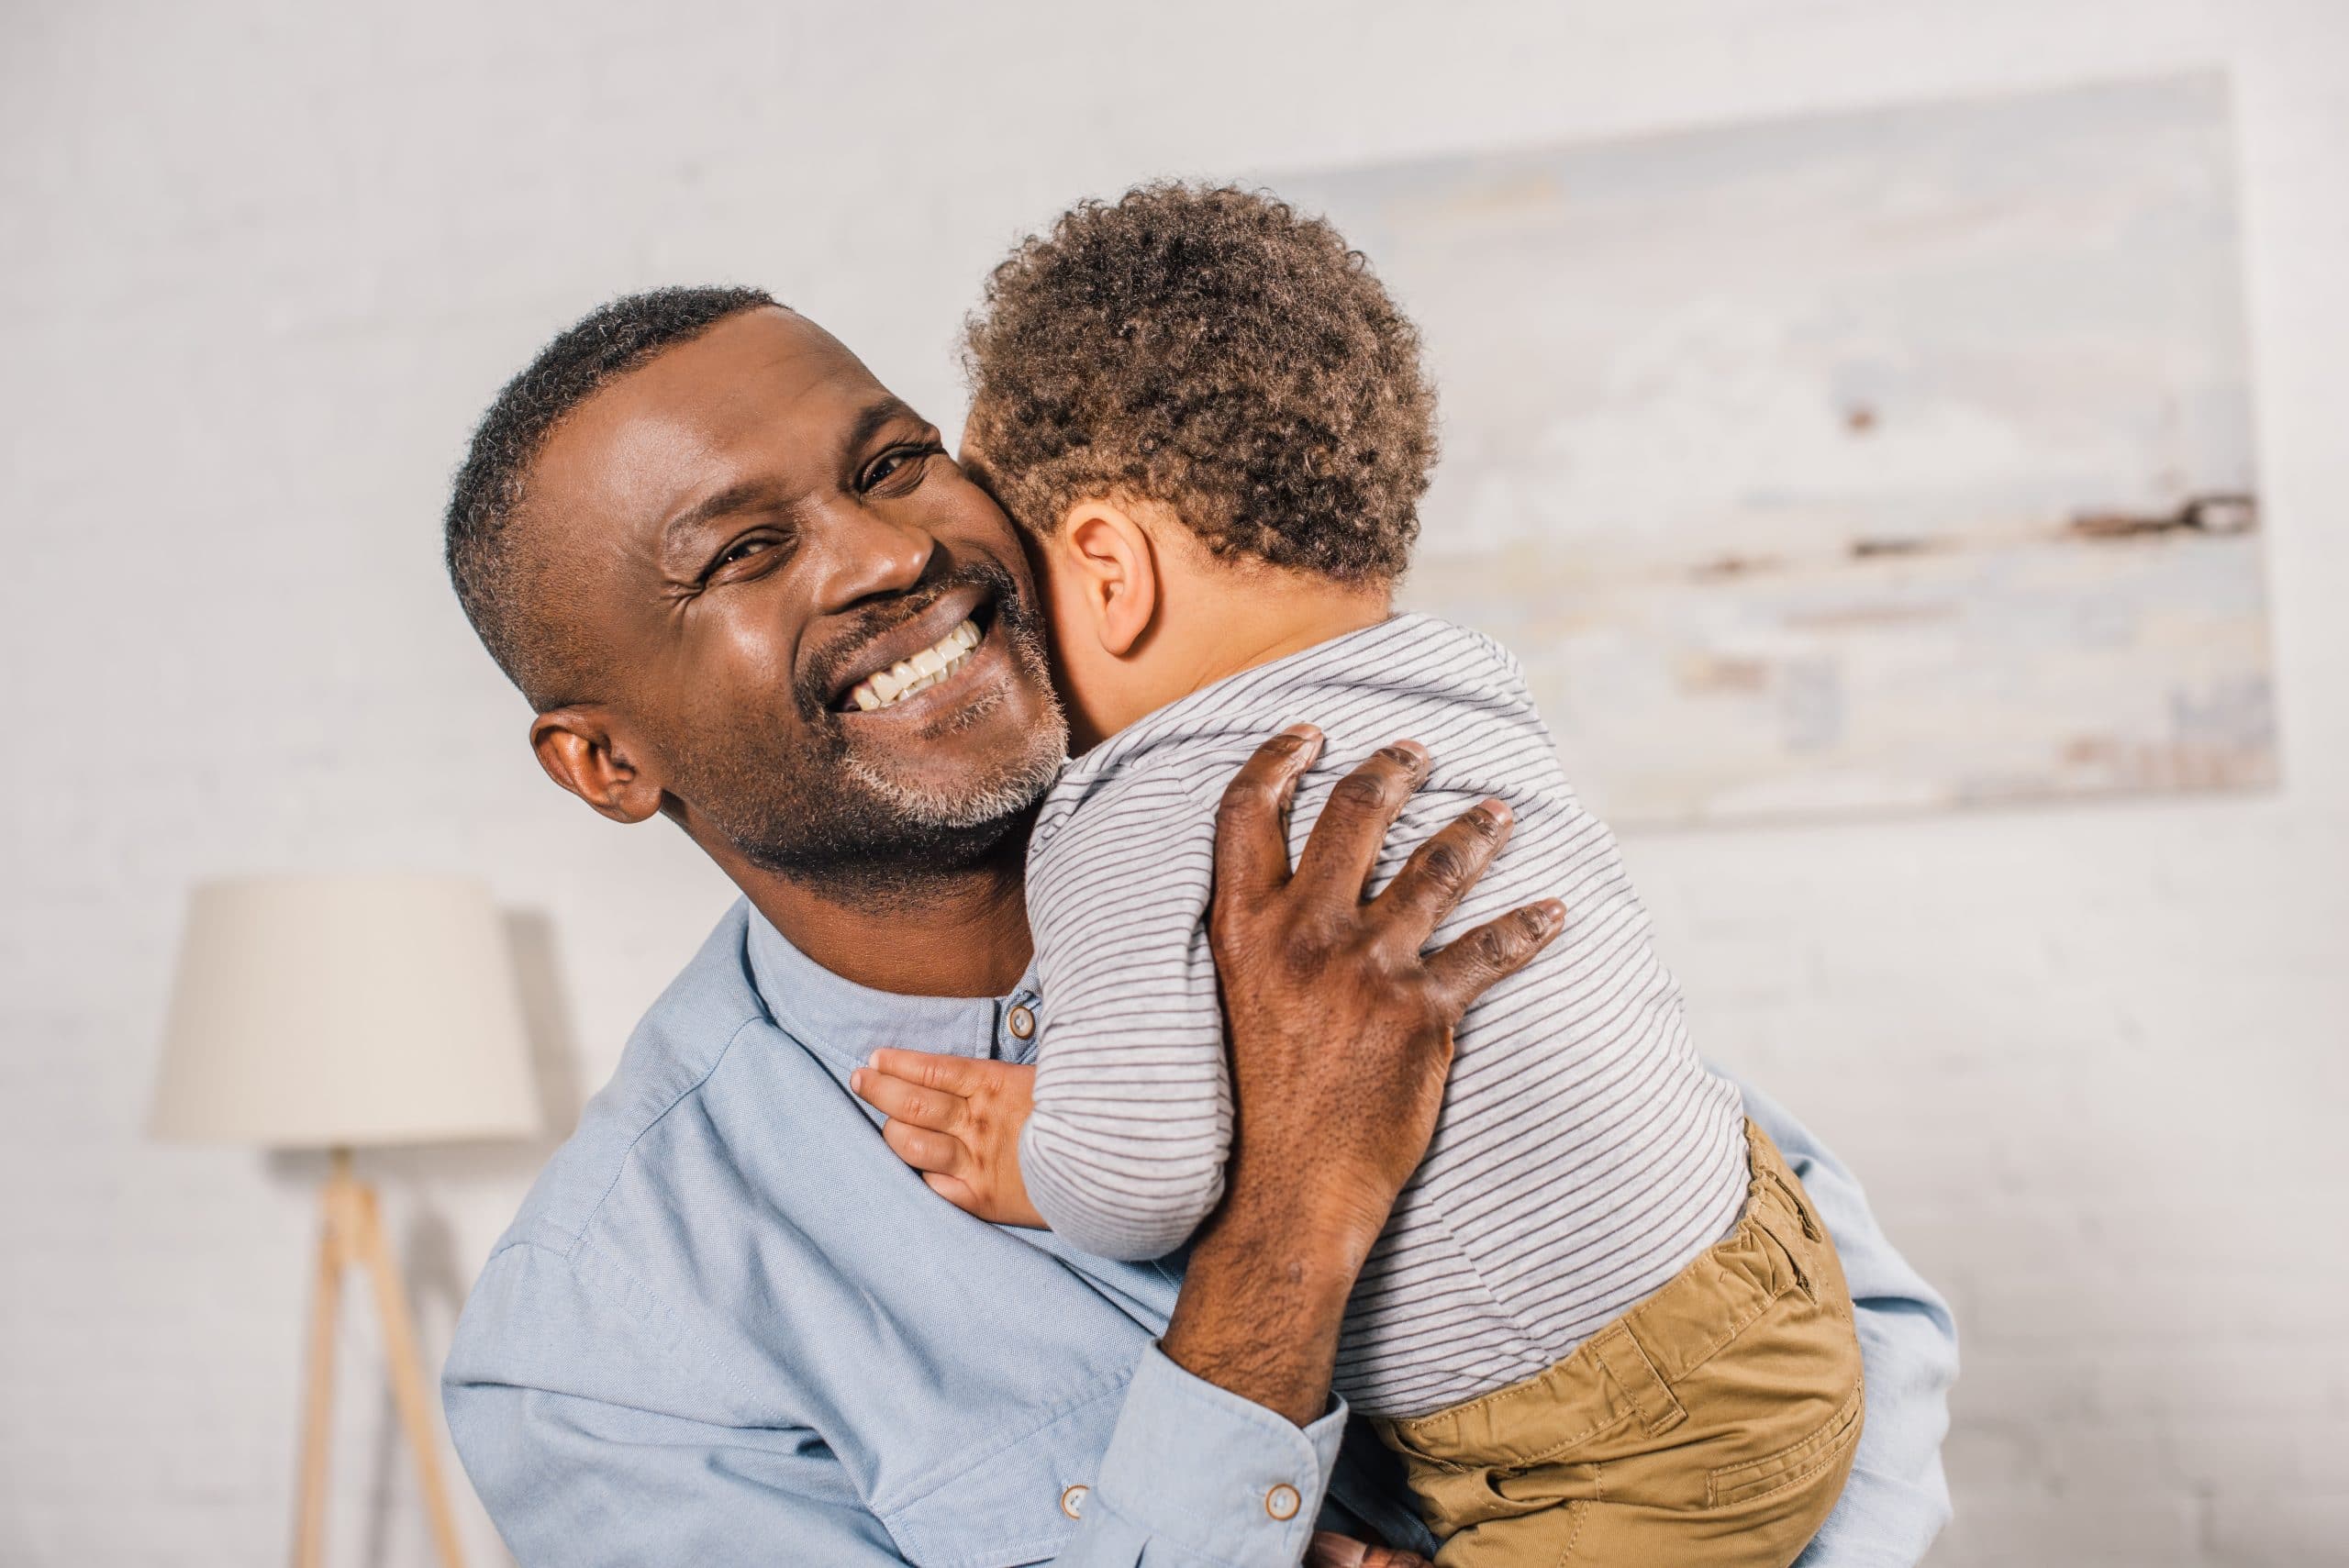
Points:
(1794, 1201)
(1619, 1352)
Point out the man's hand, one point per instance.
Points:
(1339, 1026)
(1341, 1023)
(957, 1121)
(1327, 1549)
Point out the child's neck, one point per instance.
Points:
(1288, 618)
(1255, 616)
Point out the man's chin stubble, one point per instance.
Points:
(904, 839)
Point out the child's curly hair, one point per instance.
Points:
(1209, 349)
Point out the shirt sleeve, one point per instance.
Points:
(1123, 1154)
(553, 1392)
(1896, 1499)
(546, 1392)
(1195, 1475)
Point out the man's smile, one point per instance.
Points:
(928, 662)
(931, 667)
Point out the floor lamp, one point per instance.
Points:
(337, 1012)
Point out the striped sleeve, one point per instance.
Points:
(1124, 1152)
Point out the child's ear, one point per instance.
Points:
(1109, 553)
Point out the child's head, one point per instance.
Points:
(1203, 387)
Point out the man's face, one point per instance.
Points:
(756, 543)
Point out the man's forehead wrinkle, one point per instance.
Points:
(683, 409)
(783, 392)
(680, 442)
(759, 410)
(884, 409)
(769, 364)
(768, 456)
(614, 450)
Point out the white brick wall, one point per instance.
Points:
(260, 266)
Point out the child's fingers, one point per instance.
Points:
(954, 1190)
(903, 1100)
(923, 1149)
(952, 1074)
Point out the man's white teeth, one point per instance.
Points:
(920, 673)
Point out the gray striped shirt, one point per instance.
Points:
(1584, 1155)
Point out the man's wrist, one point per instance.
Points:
(1263, 1296)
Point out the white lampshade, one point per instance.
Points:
(324, 1011)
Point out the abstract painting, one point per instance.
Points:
(1878, 461)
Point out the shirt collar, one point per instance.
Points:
(843, 1022)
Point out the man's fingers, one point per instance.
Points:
(1461, 972)
(900, 1099)
(1329, 1549)
(1345, 842)
(931, 1070)
(1252, 825)
(1440, 870)
(924, 1149)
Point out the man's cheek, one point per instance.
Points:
(747, 653)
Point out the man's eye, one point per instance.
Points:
(901, 463)
(742, 549)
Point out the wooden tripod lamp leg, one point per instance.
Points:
(318, 1400)
(352, 1232)
(406, 1370)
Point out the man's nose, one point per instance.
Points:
(865, 556)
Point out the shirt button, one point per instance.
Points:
(1022, 1022)
(1072, 1501)
(1282, 1502)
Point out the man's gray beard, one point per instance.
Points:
(848, 828)
(900, 839)
(942, 810)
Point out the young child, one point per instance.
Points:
(1603, 1324)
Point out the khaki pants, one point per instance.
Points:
(1711, 1424)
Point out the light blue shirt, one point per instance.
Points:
(729, 1326)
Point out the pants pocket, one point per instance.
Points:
(1830, 1447)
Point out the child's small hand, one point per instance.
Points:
(957, 1121)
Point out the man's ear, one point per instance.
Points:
(577, 749)
(1109, 555)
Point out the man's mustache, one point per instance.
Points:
(825, 671)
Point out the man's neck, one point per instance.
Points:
(960, 933)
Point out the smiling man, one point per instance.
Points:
(745, 588)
